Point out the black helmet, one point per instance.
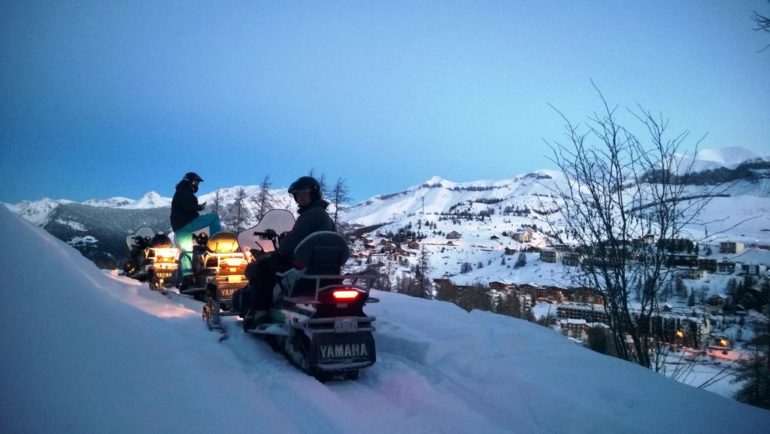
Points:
(194, 179)
(192, 176)
(306, 183)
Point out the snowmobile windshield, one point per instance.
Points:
(277, 220)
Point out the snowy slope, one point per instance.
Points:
(85, 351)
(437, 195)
(729, 157)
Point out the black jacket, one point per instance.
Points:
(184, 205)
(312, 218)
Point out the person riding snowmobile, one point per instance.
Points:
(261, 274)
(186, 219)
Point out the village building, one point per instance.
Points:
(731, 247)
(500, 286)
(523, 235)
(725, 267)
(574, 328)
(542, 293)
(752, 261)
(570, 259)
(549, 255)
(709, 265)
(587, 312)
(584, 295)
(692, 273)
(454, 235)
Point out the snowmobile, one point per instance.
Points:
(317, 320)
(163, 261)
(137, 243)
(218, 266)
(222, 267)
(152, 257)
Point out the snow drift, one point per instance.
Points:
(87, 351)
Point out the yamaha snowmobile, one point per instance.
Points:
(218, 266)
(138, 242)
(221, 268)
(152, 257)
(163, 261)
(317, 320)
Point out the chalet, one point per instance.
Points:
(523, 235)
(692, 273)
(454, 235)
(562, 247)
(588, 312)
(751, 269)
(548, 255)
(730, 247)
(753, 261)
(725, 267)
(678, 245)
(500, 286)
(571, 259)
(682, 260)
(584, 295)
(709, 265)
(413, 245)
(574, 328)
(442, 282)
(542, 293)
(509, 251)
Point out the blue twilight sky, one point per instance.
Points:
(117, 98)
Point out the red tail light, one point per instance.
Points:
(345, 295)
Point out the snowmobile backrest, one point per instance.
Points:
(144, 232)
(322, 252)
(161, 240)
(223, 242)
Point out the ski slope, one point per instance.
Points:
(88, 351)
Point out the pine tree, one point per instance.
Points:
(510, 305)
(264, 198)
(240, 214)
(421, 274)
(756, 373)
(339, 196)
(216, 203)
(520, 261)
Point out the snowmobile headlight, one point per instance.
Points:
(167, 252)
(235, 262)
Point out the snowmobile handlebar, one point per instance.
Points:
(268, 233)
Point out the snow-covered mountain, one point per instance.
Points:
(509, 205)
(438, 195)
(727, 157)
(88, 351)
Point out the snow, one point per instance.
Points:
(729, 157)
(85, 350)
